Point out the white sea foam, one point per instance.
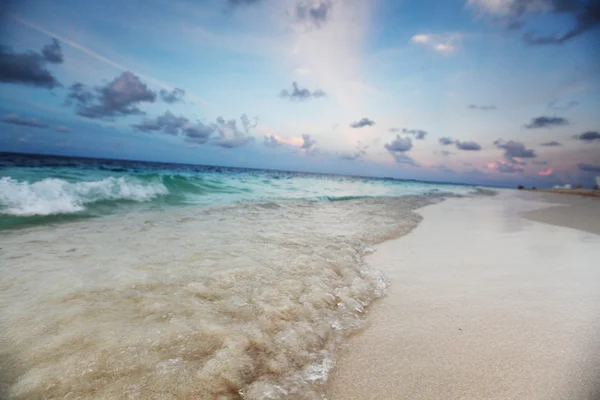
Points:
(238, 302)
(58, 196)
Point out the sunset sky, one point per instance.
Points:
(500, 92)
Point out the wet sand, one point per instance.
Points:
(483, 304)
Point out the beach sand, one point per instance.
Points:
(484, 304)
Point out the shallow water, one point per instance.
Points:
(229, 298)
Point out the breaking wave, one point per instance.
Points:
(58, 196)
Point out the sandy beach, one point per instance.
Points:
(490, 298)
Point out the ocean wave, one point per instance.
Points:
(58, 196)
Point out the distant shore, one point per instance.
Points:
(573, 192)
(484, 303)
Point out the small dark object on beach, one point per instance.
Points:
(579, 186)
(534, 188)
(521, 187)
(596, 187)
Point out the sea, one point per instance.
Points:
(138, 280)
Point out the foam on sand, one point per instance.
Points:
(483, 304)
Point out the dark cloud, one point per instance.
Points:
(362, 123)
(555, 106)
(221, 133)
(312, 13)
(173, 96)
(587, 17)
(589, 167)
(589, 136)
(483, 108)
(198, 132)
(546, 122)
(271, 141)
(29, 68)
(552, 143)
(539, 162)
(468, 146)
(120, 97)
(299, 94)
(167, 123)
(398, 149)
(308, 142)
(14, 119)
(417, 133)
(514, 150)
(52, 52)
(585, 13)
(62, 129)
(446, 141)
(395, 130)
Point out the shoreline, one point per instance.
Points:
(465, 318)
(571, 192)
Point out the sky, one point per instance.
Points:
(498, 92)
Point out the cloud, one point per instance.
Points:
(62, 129)
(418, 133)
(555, 106)
(30, 68)
(512, 13)
(399, 145)
(514, 151)
(229, 134)
(313, 13)
(173, 96)
(362, 123)
(552, 143)
(120, 97)
(446, 153)
(271, 141)
(589, 136)
(446, 141)
(483, 108)
(505, 168)
(14, 119)
(468, 146)
(308, 143)
(52, 52)
(442, 43)
(589, 167)
(299, 94)
(198, 132)
(167, 123)
(361, 151)
(398, 148)
(534, 162)
(546, 122)
(546, 172)
(170, 124)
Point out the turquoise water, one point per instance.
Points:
(130, 280)
(42, 189)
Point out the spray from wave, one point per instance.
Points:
(58, 196)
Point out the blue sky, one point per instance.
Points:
(479, 91)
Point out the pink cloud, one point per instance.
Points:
(546, 172)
